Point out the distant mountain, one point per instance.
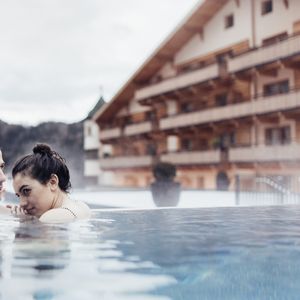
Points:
(66, 139)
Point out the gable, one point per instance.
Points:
(214, 36)
(164, 53)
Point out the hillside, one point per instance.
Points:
(67, 139)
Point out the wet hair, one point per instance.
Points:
(42, 164)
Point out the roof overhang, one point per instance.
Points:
(191, 25)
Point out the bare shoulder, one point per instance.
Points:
(77, 208)
(57, 215)
(70, 211)
(83, 211)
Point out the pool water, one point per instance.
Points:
(192, 253)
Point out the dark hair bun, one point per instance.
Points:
(42, 149)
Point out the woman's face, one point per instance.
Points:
(2, 176)
(35, 198)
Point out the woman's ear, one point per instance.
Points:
(53, 182)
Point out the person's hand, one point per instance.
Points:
(17, 211)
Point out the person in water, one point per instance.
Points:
(41, 181)
(2, 175)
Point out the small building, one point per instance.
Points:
(93, 150)
(218, 98)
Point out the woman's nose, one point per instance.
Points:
(23, 201)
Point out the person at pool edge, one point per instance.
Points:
(2, 175)
(41, 181)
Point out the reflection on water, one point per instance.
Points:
(212, 253)
(70, 261)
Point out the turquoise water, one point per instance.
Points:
(202, 253)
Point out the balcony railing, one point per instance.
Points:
(280, 102)
(178, 82)
(110, 133)
(266, 54)
(138, 128)
(193, 157)
(126, 162)
(265, 153)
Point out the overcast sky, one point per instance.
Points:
(56, 54)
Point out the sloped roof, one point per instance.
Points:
(96, 108)
(192, 24)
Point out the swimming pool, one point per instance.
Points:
(198, 253)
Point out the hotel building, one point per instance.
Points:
(218, 98)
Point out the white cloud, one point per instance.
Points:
(55, 54)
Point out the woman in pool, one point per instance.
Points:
(2, 175)
(41, 181)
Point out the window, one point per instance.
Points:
(278, 135)
(221, 99)
(229, 21)
(89, 131)
(128, 120)
(266, 7)
(226, 140)
(151, 149)
(150, 116)
(187, 107)
(281, 87)
(187, 144)
(203, 144)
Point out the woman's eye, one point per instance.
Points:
(26, 192)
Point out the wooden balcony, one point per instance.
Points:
(263, 153)
(138, 128)
(192, 157)
(106, 134)
(178, 82)
(263, 55)
(276, 103)
(126, 162)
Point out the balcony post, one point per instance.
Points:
(237, 189)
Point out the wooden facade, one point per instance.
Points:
(233, 109)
